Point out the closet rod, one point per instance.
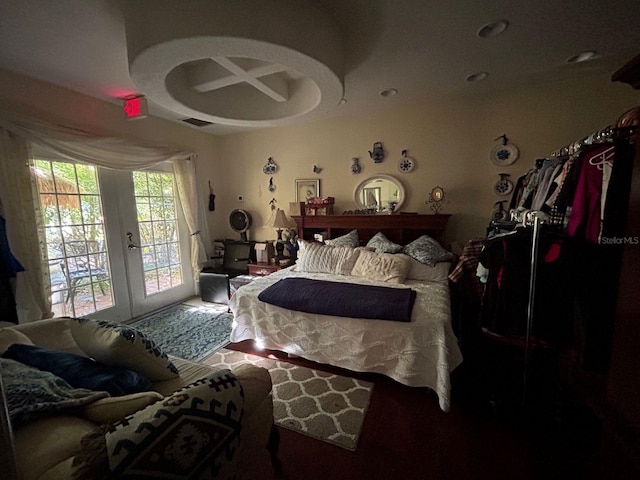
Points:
(599, 136)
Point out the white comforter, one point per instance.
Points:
(421, 353)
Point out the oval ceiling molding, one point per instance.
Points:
(217, 62)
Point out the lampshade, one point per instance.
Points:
(278, 220)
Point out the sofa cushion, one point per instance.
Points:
(33, 393)
(80, 372)
(122, 345)
(112, 409)
(207, 415)
(9, 336)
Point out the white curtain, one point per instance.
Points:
(84, 147)
(185, 173)
(22, 214)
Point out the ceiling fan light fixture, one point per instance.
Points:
(477, 77)
(493, 29)
(582, 57)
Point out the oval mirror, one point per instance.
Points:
(381, 194)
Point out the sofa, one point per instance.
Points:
(46, 447)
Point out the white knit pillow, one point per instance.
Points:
(384, 267)
(316, 257)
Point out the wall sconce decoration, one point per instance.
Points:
(377, 154)
(272, 187)
(435, 199)
(270, 167)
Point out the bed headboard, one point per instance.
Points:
(400, 228)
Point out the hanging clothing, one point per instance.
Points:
(9, 266)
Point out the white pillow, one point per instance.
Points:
(384, 267)
(426, 273)
(122, 345)
(316, 257)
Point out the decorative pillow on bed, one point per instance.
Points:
(351, 239)
(193, 433)
(426, 273)
(383, 245)
(122, 345)
(80, 372)
(9, 336)
(384, 267)
(427, 250)
(316, 257)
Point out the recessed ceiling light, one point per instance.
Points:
(493, 29)
(389, 92)
(582, 57)
(477, 77)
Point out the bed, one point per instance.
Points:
(419, 353)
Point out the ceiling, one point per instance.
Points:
(277, 62)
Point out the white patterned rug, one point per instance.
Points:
(322, 405)
(188, 331)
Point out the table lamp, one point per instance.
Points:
(279, 221)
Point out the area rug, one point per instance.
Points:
(322, 405)
(188, 331)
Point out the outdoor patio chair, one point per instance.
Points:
(85, 263)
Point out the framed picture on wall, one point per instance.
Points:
(307, 188)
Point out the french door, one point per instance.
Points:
(116, 241)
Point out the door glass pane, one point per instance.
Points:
(74, 233)
(157, 221)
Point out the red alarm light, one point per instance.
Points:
(135, 107)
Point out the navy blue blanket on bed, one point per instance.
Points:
(341, 299)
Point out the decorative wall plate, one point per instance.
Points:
(270, 167)
(503, 186)
(504, 154)
(406, 164)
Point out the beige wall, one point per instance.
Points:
(449, 139)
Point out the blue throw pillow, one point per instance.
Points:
(80, 372)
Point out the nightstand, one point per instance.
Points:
(263, 269)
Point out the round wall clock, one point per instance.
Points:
(406, 164)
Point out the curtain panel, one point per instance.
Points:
(79, 146)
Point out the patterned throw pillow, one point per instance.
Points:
(193, 433)
(383, 245)
(122, 345)
(383, 267)
(427, 250)
(351, 239)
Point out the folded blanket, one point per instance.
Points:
(341, 299)
(32, 393)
